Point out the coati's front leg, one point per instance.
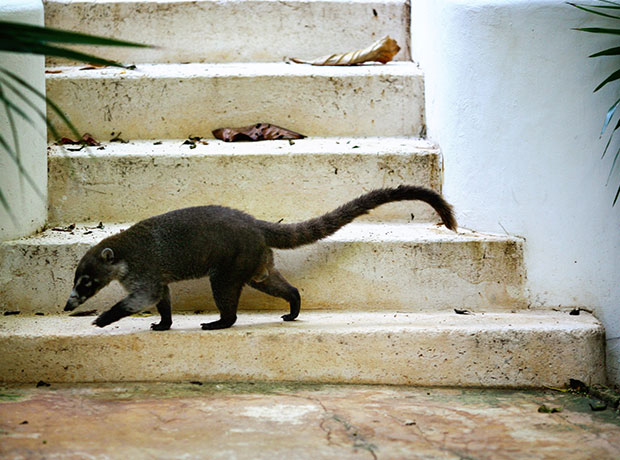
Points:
(277, 286)
(226, 291)
(133, 303)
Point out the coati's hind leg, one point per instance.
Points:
(277, 286)
(135, 302)
(226, 292)
(165, 311)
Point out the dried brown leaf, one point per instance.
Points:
(257, 132)
(93, 66)
(86, 139)
(381, 51)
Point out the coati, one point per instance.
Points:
(230, 246)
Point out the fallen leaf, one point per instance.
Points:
(597, 406)
(574, 312)
(549, 410)
(117, 138)
(9, 313)
(563, 390)
(93, 67)
(142, 314)
(68, 228)
(381, 51)
(53, 71)
(86, 139)
(257, 132)
(461, 312)
(578, 386)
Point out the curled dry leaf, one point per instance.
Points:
(381, 51)
(257, 132)
(93, 66)
(86, 139)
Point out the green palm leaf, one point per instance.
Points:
(604, 8)
(29, 39)
(18, 32)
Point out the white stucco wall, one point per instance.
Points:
(29, 209)
(510, 102)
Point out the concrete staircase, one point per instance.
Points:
(378, 297)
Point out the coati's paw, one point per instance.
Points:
(219, 324)
(289, 317)
(160, 326)
(101, 321)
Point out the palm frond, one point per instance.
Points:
(604, 8)
(30, 39)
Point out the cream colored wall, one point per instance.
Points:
(509, 100)
(28, 209)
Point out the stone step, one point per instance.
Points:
(524, 349)
(404, 267)
(168, 101)
(233, 31)
(272, 180)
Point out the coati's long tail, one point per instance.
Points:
(288, 236)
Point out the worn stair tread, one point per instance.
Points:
(249, 30)
(410, 266)
(177, 100)
(269, 179)
(525, 348)
(89, 233)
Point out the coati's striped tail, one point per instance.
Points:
(287, 236)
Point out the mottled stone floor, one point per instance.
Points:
(286, 421)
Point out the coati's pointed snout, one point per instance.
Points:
(72, 302)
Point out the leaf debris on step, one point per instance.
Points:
(118, 138)
(256, 132)
(86, 139)
(68, 228)
(193, 140)
(93, 66)
(597, 406)
(462, 312)
(544, 409)
(382, 51)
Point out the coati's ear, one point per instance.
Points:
(107, 255)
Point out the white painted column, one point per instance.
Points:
(509, 100)
(28, 209)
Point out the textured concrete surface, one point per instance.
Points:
(493, 350)
(262, 421)
(234, 31)
(409, 267)
(175, 100)
(274, 180)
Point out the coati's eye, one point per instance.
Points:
(86, 286)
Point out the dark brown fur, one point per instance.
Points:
(230, 246)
